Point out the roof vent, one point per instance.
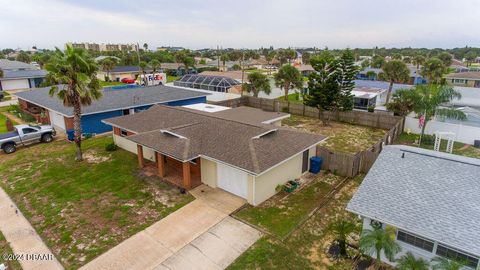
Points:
(403, 155)
(265, 133)
(172, 134)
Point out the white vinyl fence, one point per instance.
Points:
(464, 134)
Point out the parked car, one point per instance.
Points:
(26, 134)
(128, 80)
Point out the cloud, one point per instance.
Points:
(248, 23)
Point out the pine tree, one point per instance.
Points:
(347, 72)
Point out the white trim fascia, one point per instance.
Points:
(265, 133)
(172, 133)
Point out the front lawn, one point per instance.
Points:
(171, 78)
(294, 98)
(342, 137)
(4, 250)
(459, 148)
(281, 213)
(109, 84)
(82, 209)
(3, 126)
(308, 246)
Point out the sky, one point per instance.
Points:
(242, 24)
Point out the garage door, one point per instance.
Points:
(57, 119)
(15, 84)
(232, 180)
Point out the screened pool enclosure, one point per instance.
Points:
(206, 82)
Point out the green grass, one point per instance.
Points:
(307, 246)
(108, 84)
(281, 214)
(82, 209)
(459, 148)
(171, 78)
(342, 137)
(6, 249)
(295, 98)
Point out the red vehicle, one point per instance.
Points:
(128, 80)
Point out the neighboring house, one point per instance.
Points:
(430, 200)
(102, 47)
(20, 76)
(415, 77)
(103, 57)
(381, 84)
(305, 69)
(114, 102)
(120, 72)
(466, 79)
(205, 81)
(365, 97)
(367, 73)
(241, 150)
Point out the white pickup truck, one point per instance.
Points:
(25, 134)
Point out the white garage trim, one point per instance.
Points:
(57, 119)
(232, 180)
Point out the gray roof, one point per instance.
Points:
(22, 74)
(6, 64)
(234, 142)
(381, 84)
(431, 194)
(113, 99)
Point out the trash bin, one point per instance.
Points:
(315, 164)
(70, 134)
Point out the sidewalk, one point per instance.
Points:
(23, 238)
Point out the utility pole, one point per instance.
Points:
(218, 58)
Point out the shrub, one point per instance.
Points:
(110, 147)
(371, 109)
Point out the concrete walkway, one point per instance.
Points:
(175, 241)
(8, 102)
(23, 238)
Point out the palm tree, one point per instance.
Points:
(433, 70)
(418, 60)
(74, 72)
(107, 65)
(288, 77)
(441, 263)
(155, 65)
(143, 69)
(428, 99)
(1, 73)
(224, 58)
(341, 229)
(257, 82)
(373, 242)
(395, 71)
(409, 262)
(145, 46)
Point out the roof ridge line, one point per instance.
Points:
(253, 154)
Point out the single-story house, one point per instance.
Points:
(121, 72)
(365, 97)
(305, 69)
(114, 102)
(429, 200)
(19, 76)
(466, 79)
(241, 150)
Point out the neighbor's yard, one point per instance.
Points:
(342, 137)
(109, 84)
(429, 141)
(83, 209)
(6, 249)
(307, 247)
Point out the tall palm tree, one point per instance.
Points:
(257, 82)
(341, 229)
(441, 263)
(1, 73)
(409, 262)
(395, 71)
(143, 69)
(374, 242)
(427, 100)
(288, 77)
(108, 64)
(433, 70)
(74, 73)
(155, 65)
(418, 60)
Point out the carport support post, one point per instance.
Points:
(160, 158)
(187, 183)
(141, 162)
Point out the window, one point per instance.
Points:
(415, 241)
(457, 256)
(28, 130)
(123, 133)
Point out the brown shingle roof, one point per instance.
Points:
(472, 75)
(227, 140)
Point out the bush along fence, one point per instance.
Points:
(342, 164)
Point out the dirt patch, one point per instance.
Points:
(91, 156)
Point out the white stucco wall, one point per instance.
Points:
(132, 147)
(209, 172)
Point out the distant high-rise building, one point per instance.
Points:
(103, 47)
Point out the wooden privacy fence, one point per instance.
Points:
(343, 164)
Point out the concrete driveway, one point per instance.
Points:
(200, 235)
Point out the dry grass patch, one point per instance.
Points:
(342, 137)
